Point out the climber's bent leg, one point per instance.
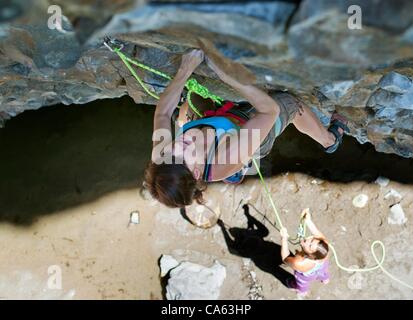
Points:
(308, 123)
(289, 107)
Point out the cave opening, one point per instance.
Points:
(60, 156)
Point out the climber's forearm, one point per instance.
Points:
(313, 229)
(261, 101)
(169, 99)
(285, 252)
(166, 106)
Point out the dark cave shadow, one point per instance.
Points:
(250, 243)
(60, 157)
(296, 152)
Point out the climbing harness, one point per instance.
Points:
(194, 87)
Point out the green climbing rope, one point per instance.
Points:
(191, 85)
(126, 61)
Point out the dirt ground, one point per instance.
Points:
(71, 177)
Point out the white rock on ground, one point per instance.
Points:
(393, 194)
(190, 281)
(360, 201)
(134, 217)
(167, 263)
(382, 181)
(397, 215)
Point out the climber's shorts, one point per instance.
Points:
(289, 106)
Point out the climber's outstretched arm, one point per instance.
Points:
(293, 261)
(285, 252)
(261, 101)
(169, 99)
(310, 224)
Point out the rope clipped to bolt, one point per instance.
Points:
(191, 85)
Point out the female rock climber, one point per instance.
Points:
(311, 263)
(177, 183)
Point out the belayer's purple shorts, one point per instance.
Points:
(302, 281)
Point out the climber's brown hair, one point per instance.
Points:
(173, 184)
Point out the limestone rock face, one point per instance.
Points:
(365, 74)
